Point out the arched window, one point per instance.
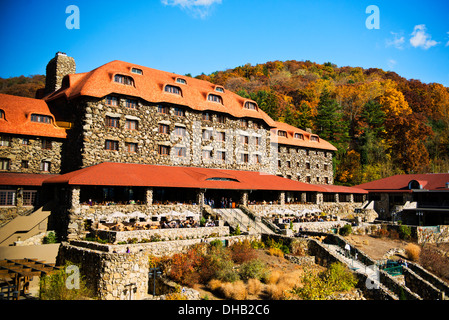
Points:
(173, 89)
(250, 105)
(215, 98)
(126, 80)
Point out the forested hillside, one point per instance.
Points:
(381, 123)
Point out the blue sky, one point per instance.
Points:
(195, 36)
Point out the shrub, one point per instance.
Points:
(382, 233)
(218, 264)
(50, 238)
(346, 230)
(405, 232)
(184, 267)
(254, 269)
(242, 252)
(275, 252)
(236, 290)
(412, 251)
(280, 284)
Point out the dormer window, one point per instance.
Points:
(40, 118)
(136, 71)
(173, 89)
(215, 98)
(219, 89)
(126, 80)
(250, 105)
(299, 136)
(282, 133)
(181, 81)
(314, 138)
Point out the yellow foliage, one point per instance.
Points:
(393, 103)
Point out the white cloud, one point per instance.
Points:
(391, 63)
(397, 42)
(421, 39)
(199, 8)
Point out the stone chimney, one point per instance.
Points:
(58, 67)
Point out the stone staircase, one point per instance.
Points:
(236, 217)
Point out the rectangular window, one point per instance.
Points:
(131, 124)
(29, 197)
(180, 151)
(7, 197)
(243, 123)
(45, 166)
(126, 80)
(307, 165)
(180, 131)
(162, 109)
(164, 128)
(24, 164)
(25, 141)
(111, 101)
(221, 155)
(5, 141)
(130, 103)
(40, 118)
(46, 144)
(244, 157)
(244, 139)
(4, 164)
(289, 165)
(299, 136)
(215, 98)
(207, 134)
(256, 158)
(221, 118)
(136, 71)
(111, 145)
(207, 154)
(112, 122)
(282, 133)
(207, 116)
(163, 150)
(179, 112)
(256, 125)
(222, 136)
(131, 147)
(257, 141)
(173, 89)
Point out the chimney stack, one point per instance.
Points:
(58, 67)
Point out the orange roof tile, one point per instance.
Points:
(150, 86)
(23, 179)
(291, 140)
(400, 183)
(130, 174)
(17, 117)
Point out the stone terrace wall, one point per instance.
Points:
(341, 209)
(162, 234)
(119, 275)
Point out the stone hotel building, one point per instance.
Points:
(124, 113)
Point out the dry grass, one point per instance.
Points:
(280, 283)
(229, 290)
(254, 287)
(275, 252)
(413, 251)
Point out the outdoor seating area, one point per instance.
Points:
(147, 225)
(304, 215)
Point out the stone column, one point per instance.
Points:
(337, 198)
(319, 198)
(303, 197)
(282, 197)
(19, 197)
(351, 198)
(75, 198)
(149, 196)
(200, 197)
(244, 198)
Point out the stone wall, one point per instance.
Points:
(162, 234)
(341, 209)
(33, 153)
(114, 274)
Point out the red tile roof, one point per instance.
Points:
(23, 179)
(17, 117)
(128, 174)
(150, 87)
(429, 181)
(305, 142)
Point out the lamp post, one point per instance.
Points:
(153, 273)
